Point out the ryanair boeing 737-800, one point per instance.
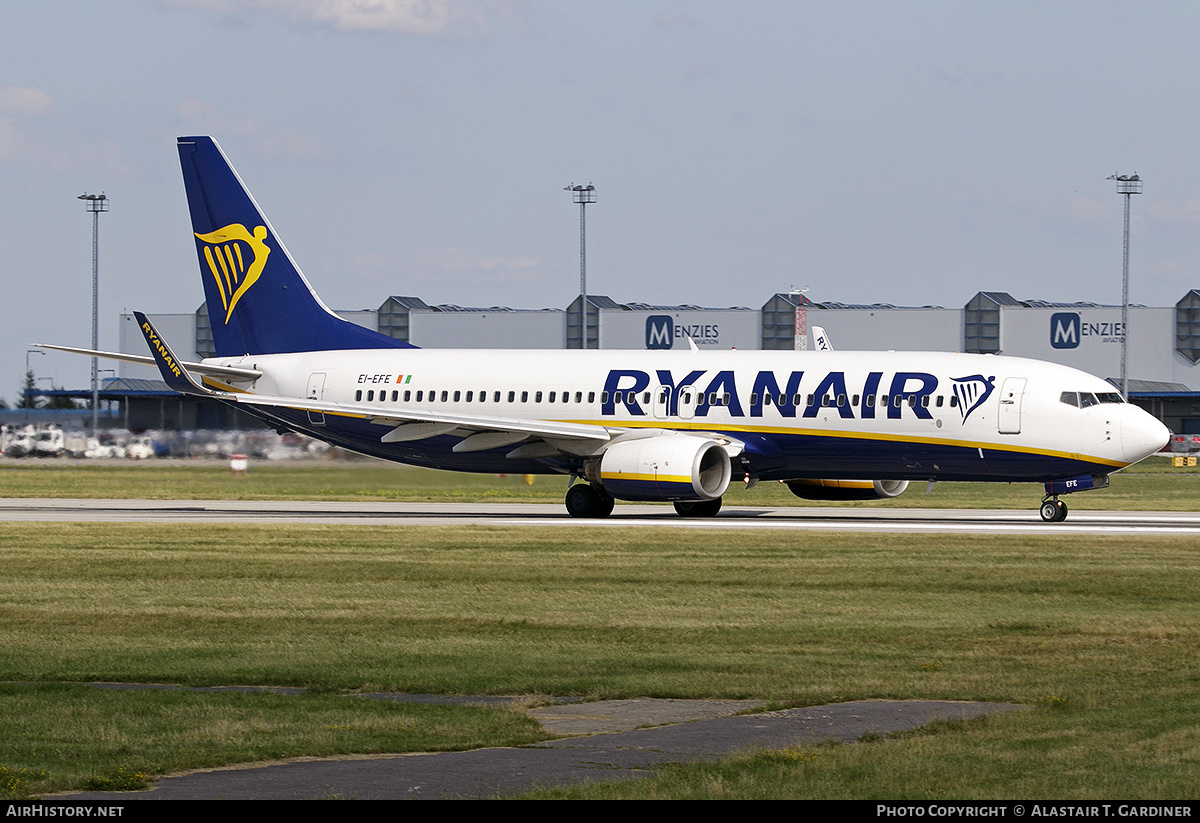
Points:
(676, 426)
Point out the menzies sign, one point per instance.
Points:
(662, 330)
(1067, 330)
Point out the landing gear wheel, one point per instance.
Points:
(1053, 511)
(586, 501)
(698, 508)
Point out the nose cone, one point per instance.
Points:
(1141, 434)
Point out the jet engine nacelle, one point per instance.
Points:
(847, 489)
(665, 467)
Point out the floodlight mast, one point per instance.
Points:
(582, 195)
(96, 203)
(1127, 184)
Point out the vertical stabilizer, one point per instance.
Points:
(258, 300)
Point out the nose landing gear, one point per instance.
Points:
(1054, 511)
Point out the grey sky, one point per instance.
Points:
(903, 152)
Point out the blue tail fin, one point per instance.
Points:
(258, 301)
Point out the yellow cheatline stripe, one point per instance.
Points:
(212, 382)
(652, 478)
(734, 429)
(630, 424)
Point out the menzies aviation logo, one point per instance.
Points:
(972, 392)
(236, 259)
(1065, 330)
(660, 331)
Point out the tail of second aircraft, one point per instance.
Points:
(258, 300)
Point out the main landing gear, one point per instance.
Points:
(586, 500)
(698, 508)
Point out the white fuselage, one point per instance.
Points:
(800, 414)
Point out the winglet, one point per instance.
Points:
(821, 339)
(171, 367)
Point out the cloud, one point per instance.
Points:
(60, 153)
(209, 119)
(24, 101)
(1186, 213)
(1087, 210)
(428, 18)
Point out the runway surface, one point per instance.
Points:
(527, 515)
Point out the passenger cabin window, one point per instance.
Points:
(358, 395)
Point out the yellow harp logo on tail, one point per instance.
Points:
(226, 251)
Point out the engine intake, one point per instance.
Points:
(666, 467)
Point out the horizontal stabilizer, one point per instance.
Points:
(206, 369)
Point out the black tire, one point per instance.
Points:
(698, 508)
(581, 501)
(588, 501)
(1053, 511)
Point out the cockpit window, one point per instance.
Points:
(1071, 398)
(1110, 397)
(1086, 398)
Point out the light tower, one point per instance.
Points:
(582, 195)
(1126, 185)
(96, 203)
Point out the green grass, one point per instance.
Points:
(78, 737)
(1100, 634)
(1151, 485)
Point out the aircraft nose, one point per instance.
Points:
(1141, 434)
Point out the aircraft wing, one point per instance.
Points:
(403, 418)
(488, 431)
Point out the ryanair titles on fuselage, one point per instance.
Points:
(795, 394)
